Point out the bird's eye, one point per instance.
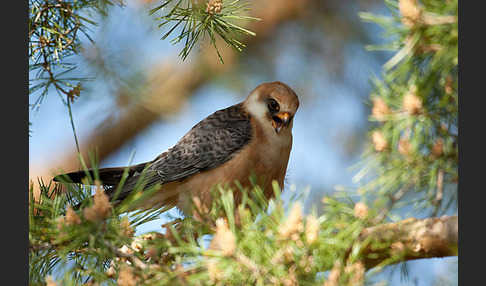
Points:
(273, 105)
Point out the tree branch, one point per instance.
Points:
(411, 239)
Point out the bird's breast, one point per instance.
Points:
(256, 160)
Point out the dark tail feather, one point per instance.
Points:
(108, 176)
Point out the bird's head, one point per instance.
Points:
(274, 104)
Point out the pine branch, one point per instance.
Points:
(54, 28)
(202, 19)
(415, 106)
(262, 245)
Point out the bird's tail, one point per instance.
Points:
(108, 176)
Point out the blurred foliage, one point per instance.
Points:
(415, 105)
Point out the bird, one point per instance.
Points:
(250, 138)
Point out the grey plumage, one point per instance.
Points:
(210, 143)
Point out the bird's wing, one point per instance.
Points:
(209, 144)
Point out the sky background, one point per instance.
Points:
(329, 128)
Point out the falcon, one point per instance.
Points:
(249, 139)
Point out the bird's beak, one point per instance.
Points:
(280, 120)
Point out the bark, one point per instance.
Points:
(411, 239)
